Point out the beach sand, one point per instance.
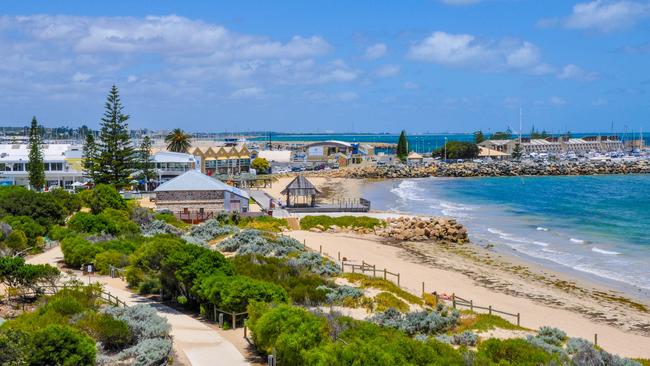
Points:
(542, 297)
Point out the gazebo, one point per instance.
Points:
(300, 193)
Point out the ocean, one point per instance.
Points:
(594, 226)
(423, 143)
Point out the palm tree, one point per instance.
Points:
(178, 141)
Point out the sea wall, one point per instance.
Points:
(494, 169)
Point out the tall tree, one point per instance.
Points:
(115, 161)
(402, 146)
(178, 141)
(479, 137)
(144, 161)
(517, 151)
(90, 154)
(35, 165)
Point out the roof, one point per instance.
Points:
(300, 186)
(51, 152)
(172, 157)
(484, 151)
(194, 180)
(331, 142)
(414, 156)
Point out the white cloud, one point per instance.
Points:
(387, 71)
(132, 79)
(248, 93)
(80, 77)
(600, 102)
(467, 51)
(376, 51)
(347, 96)
(603, 15)
(556, 101)
(574, 72)
(460, 2)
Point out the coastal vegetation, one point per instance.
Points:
(35, 166)
(260, 165)
(178, 141)
(458, 150)
(324, 222)
(402, 147)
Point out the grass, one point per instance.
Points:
(264, 223)
(386, 300)
(483, 322)
(326, 222)
(381, 284)
(642, 361)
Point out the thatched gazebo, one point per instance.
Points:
(300, 193)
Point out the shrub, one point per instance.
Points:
(69, 201)
(210, 230)
(111, 257)
(584, 353)
(78, 251)
(236, 292)
(134, 276)
(64, 305)
(432, 322)
(157, 227)
(149, 285)
(465, 338)
(103, 196)
(141, 215)
(512, 352)
(339, 294)
(326, 222)
(386, 300)
(316, 263)
(171, 220)
(59, 233)
(31, 229)
(112, 333)
(62, 345)
(142, 320)
(18, 201)
(16, 241)
(552, 335)
(15, 347)
(263, 223)
(148, 352)
(255, 242)
(381, 284)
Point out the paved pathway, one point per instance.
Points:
(194, 342)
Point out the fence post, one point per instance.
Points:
(271, 360)
(339, 255)
(374, 270)
(518, 319)
(221, 320)
(398, 280)
(595, 339)
(384, 273)
(490, 309)
(245, 331)
(321, 249)
(422, 288)
(214, 311)
(234, 321)
(453, 300)
(471, 305)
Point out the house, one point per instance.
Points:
(63, 164)
(169, 165)
(223, 160)
(195, 196)
(332, 150)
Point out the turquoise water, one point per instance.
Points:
(596, 225)
(423, 143)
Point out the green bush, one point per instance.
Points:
(110, 221)
(69, 201)
(149, 285)
(18, 201)
(103, 196)
(171, 220)
(62, 345)
(60, 232)
(511, 352)
(78, 251)
(263, 223)
(111, 257)
(16, 241)
(458, 150)
(112, 333)
(134, 276)
(326, 222)
(15, 347)
(234, 293)
(64, 305)
(28, 226)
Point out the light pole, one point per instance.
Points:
(445, 149)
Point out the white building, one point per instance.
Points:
(169, 164)
(557, 145)
(63, 164)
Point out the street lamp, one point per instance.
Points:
(445, 149)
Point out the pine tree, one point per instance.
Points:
(115, 161)
(144, 161)
(90, 155)
(402, 146)
(35, 165)
(479, 137)
(517, 151)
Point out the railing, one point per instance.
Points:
(51, 290)
(115, 272)
(217, 316)
(366, 267)
(459, 301)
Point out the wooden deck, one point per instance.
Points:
(343, 205)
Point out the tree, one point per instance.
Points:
(115, 163)
(35, 165)
(458, 150)
(260, 165)
(178, 141)
(62, 345)
(90, 154)
(144, 161)
(501, 135)
(517, 151)
(479, 137)
(103, 196)
(402, 146)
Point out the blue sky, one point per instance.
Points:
(342, 66)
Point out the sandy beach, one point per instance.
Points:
(542, 297)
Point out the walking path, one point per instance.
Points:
(195, 343)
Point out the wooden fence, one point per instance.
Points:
(460, 302)
(219, 316)
(115, 272)
(367, 267)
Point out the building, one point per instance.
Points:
(63, 164)
(218, 160)
(557, 145)
(169, 164)
(414, 159)
(196, 196)
(331, 152)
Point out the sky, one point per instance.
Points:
(331, 65)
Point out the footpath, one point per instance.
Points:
(195, 343)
